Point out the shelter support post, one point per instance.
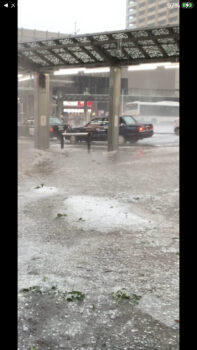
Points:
(59, 104)
(42, 105)
(114, 107)
(51, 103)
(87, 118)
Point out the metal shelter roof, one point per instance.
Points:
(125, 47)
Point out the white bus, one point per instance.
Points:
(150, 109)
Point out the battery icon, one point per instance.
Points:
(187, 5)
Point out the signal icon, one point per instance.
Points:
(6, 5)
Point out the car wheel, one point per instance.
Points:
(59, 137)
(133, 141)
(121, 140)
(73, 139)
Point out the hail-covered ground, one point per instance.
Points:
(98, 246)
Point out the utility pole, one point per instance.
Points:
(75, 29)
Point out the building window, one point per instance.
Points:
(142, 4)
(162, 14)
(151, 10)
(175, 10)
(141, 13)
(162, 10)
(151, 17)
(173, 20)
(162, 22)
(161, 6)
(151, 1)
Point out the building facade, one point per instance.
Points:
(144, 13)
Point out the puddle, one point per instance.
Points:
(101, 214)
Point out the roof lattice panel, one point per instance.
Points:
(125, 47)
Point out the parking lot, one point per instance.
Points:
(99, 223)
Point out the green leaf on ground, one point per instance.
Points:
(122, 294)
(75, 296)
(54, 287)
(39, 186)
(59, 215)
(35, 289)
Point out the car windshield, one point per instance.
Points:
(128, 120)
(96, 121)
(55, 121)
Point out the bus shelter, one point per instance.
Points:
(113, 49)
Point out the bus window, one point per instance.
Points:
(134, 108)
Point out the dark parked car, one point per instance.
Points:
(56, 127)
(129, 130)
(176, 127)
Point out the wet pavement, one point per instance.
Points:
(98, 223)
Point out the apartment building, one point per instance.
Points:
(144, 13)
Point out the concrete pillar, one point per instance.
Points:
(59, 104)
(114, 107)
(50, 99)
(176, 85)
(86, 114)
(41, 133)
